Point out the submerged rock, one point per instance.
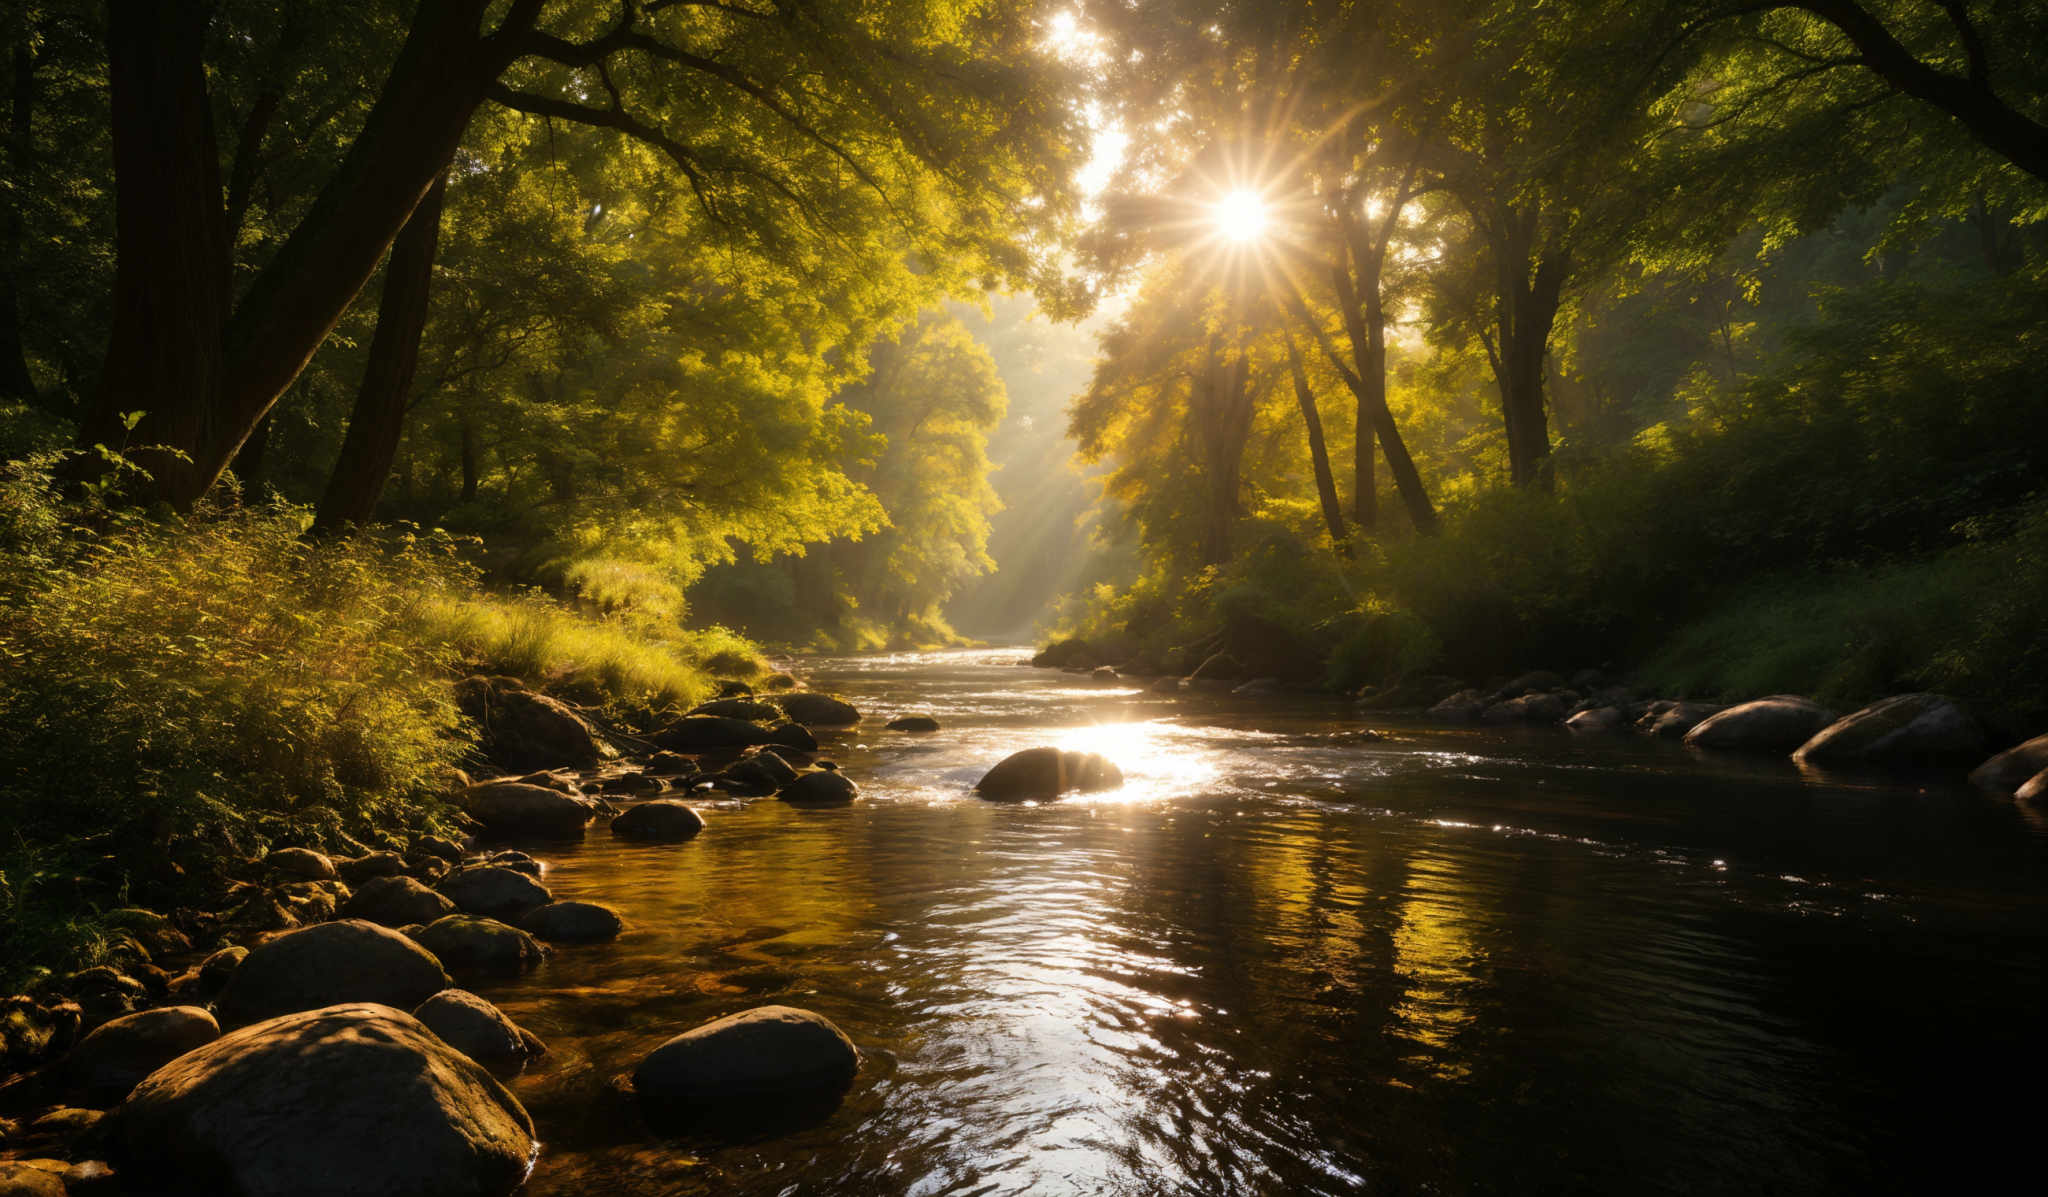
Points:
(912, 723)
(512, 807)
(346, 961)
(823, 788)
(495, 891)
(1779, 723)
(1047, 773)
(2009, 770)
(573, 922)
(467, 943)
(817, 710)
(770, 1050)
(341, 1101)
(662, 820)
(1908, 729)
(118, 1055)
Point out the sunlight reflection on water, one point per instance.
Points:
(1284, 960)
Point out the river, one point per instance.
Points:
(1457, 960)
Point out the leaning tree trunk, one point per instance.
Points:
(206, 379)
(164, 352)
(371, 444)
(1319, 452)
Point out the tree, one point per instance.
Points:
(842, 117)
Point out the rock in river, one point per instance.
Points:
(466, 943)
(708, 733)
(397, 902)
(1596, 719)
(912, 723)
(1907, 729)
(662, 820)
(573, 922)
(525, 730)
(1670, 721)
(1047, 773)
(738, 708)
(342, 1101)
(513, 807)
(495, 892)
(114, 1058)
(765, 1051)
(823, 788)
(346, 961)
(817, 710)
(1779, 723)
(2009, 770)
(473, 1026)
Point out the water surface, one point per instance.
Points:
(1453, 961)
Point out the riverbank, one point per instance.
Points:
(1916, 732)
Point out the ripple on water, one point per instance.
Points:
(1452, 961)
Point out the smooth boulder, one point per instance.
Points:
(1528, 708)
(396, 902)
(738, 708)
(767, 1051)
(1071, 653)
(495, 891)
(1906, 729)
(823, 788)
(661, 821)
(346, 961)
(524, 730)
(709, 733)
(1779, 723)
(1047, 773)
(817, 710)
(512, 807)
(118, 1055)
(573, 922)
(1596, 719)
(472, 1026)
(2034, 789)
(2009, 770)
(912, 723)
(348, 1100)
(303, 863)
(1466, 706)
(469, 944)
(1671, 721)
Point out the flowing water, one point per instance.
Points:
(1275, 962)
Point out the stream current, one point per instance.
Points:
(1455, 960)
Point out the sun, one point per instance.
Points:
(1241, 216)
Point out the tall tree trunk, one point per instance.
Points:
(1220, 405)
(1318, 452)
(15, 380)
(225, 380)
(371, 444)
(1530, 287)
(1372, 404)
(469, 457)
(164, 351)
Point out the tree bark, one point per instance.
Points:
(374, 428)
(469, 458)
(15, 380)
(1318, 452)
(164, 351)
(208, 379)
(1220, 406)
(1530, 287)
(1367, 380)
